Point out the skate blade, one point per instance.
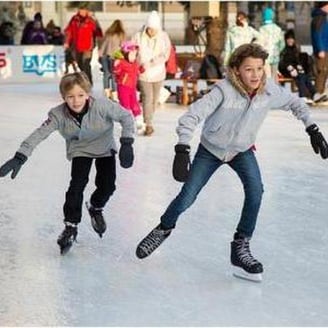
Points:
(64, 250)
(94, 226)
(242, 274)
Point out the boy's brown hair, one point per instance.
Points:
(244, 51)
(68, 82)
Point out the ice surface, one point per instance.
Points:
(187, 281)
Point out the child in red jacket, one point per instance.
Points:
(127, 70)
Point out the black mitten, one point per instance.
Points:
(318, 142)
(126, 152)
(13, 164)
(181, 163)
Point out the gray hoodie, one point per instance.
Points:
(232, 118)
(94, 137)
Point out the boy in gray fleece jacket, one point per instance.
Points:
(233, 112)
(87, 126)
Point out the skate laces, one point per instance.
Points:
(244, 252)
(70, 232)
(154, 239)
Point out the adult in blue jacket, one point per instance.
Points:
(319, 35)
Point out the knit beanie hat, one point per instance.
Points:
(153, 20)
(268, 15)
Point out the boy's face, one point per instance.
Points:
(76, 98)
(251, 72)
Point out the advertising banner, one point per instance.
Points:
(41, 63)
(31, 63)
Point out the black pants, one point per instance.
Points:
(105, 185)
(84, 62)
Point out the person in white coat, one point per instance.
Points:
(154, 51)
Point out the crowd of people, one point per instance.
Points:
(83, 33)
(285, 56)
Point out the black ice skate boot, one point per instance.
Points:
(244, 264)
(152, 241)
(97, 220)
(67, 237)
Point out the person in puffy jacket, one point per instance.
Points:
(295, 64)
(272, 39)
(127, 71)
(80, 35)
(87, 125)
(232, 114)
(154, 51)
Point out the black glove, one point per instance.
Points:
(126, 152)
(181, 163)
(13, 164)
(318, 142)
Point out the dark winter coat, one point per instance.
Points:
(292, 56)
(80, 33)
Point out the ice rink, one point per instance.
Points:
(187, 281)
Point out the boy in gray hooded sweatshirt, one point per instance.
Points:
(233, 112)
(87, 125)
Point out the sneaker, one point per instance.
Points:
(318, 97)
(67, 237)
(152, 241)
(307, 100)
(244, 264)
(97, 219)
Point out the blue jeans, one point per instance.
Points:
(202, 168)
(108, 77)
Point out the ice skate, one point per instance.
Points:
(244, 265)
(97, 220)
(67, 237)
(153, 240)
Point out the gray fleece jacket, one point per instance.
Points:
(94, 137)
(232, 119)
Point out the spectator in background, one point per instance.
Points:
(272, 39)
(56, 37)
(7, 33)
(37, 35)
(50, 28)
(29, 26)
(239, 34)
(295, 65)
(154, 51)
(7, 27)
(319, 35)
(80, 35)
(113, 38)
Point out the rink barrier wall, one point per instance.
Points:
(46, 63)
